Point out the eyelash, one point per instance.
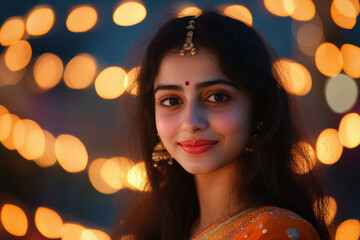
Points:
(210, 94)
(214, 92)
(165, 98)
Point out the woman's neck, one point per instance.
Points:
(214, 194)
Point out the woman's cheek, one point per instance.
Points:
(166, 125)
(230, 121)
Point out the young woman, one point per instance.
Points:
(219, 139)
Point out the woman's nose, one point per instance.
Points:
(194, 118)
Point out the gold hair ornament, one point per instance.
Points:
(189, 45)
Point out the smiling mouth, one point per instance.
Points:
(197, 146)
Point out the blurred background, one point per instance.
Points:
(65, 172)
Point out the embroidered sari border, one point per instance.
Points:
(235, 223)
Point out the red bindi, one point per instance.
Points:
(187, 83)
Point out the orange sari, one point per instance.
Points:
(265, 223)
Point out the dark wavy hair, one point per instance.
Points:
(268, 173)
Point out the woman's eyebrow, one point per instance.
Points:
(215, 82)
(199, 86)
(168, 87)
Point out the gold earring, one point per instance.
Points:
(160, 153)
(249, 147)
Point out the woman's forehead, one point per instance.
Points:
(176, 69)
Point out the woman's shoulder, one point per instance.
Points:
(267, 223)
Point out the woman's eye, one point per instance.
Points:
(217, 97)
(170, 101)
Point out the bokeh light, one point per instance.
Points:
(96, 178)
(331, 210)
(277, 7)
(109, 84)
(351, 56)
(128, 237)
(18, 55)
(295, 78)
(342, 13)
(130, 83)
(348, 230)
(114, 172)
(49, 157)
(347, 8)
(290, 6)
(302, 165)
(19, 133)
(71, 153)
(40, 20)
(81, 19)
(8, 77)
(9, 141)
(240, 13)
(349, 130)
(300, 10)
(137, 177)
(100, 235)
(29, 139)
(5, 123)
(328, 59)
(14, 220)
(12, 30)
(341, 93)
(48, 222)
(328, 146)
(48, 70)
(87, 235)
(189, 11)
(72, 231)
(356, 5)
(309, 36)
(80, 71)
(129, 13)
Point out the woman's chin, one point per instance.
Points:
(196, 169)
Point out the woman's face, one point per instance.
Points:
(202, 118)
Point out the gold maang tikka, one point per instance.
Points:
(189, 45)
(160, 153)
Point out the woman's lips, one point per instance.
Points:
(197, 146)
